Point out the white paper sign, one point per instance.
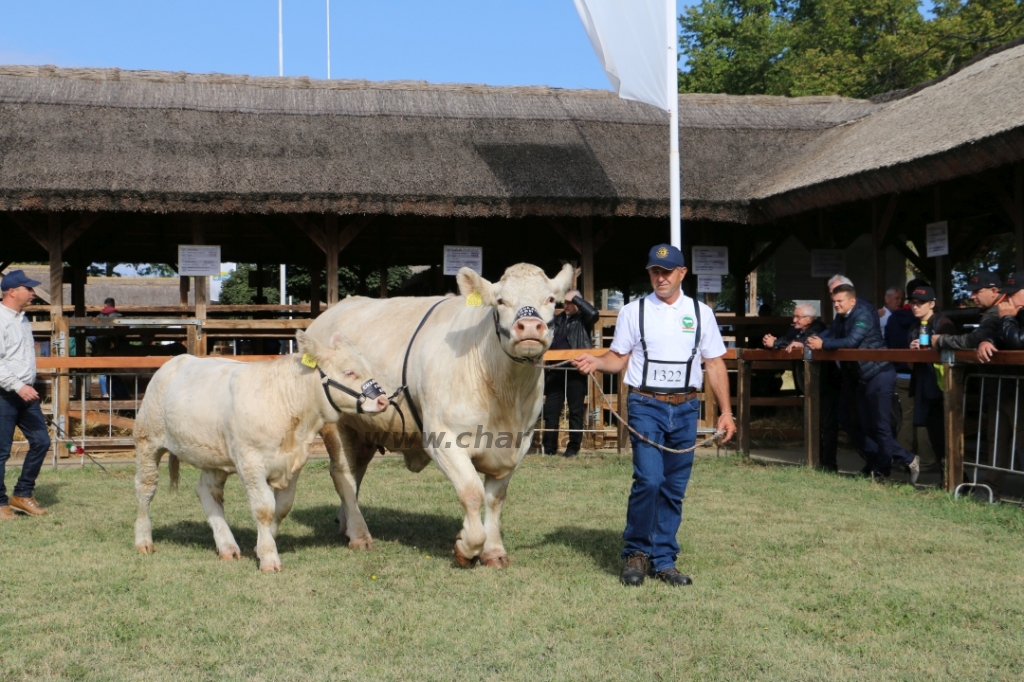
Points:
(709, 284)
(937, 239)
(711, 260)
(198, 261)
(828, 262)
(456, 257)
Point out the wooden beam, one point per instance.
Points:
(332, 249)
(196, 344)
(314, 232)
(603, 235)
(920, 263)
(56, 248)
(587, 258)
(314, 288)
(767, 252)
(76, 229)
(41, 236)
(352, 230)
(812, 412)
(953, 400)
(568, 236)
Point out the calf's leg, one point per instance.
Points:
(147, 466)
(457, 466)
(347, 473)
(494, 553)
(283, 500)
(211, 494)
(263, 507)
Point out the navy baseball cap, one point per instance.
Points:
(983, 279)
(16, 278)
(1014, 283)
(665, 256)
(923, 293)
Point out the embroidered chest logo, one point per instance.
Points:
(688, 324)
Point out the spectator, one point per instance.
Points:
(867, 384)
(893, 302)
(984, 287)
(805, 323)
(831, 394)
(1010, 337)
(898, 333)
(924, 385)
(106, 344)
(572, 328)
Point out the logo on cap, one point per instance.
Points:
(662, 252)
(920, 291)
(974, 279)
(1011, 281)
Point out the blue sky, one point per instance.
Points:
(499, 42)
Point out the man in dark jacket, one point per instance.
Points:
(572, 329)
(984, 287)
(872, 383)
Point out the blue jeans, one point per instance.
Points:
(29, 418)
(659, 478)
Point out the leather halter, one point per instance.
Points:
(369, 390)
(525, 311)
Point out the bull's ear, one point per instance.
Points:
(562, 282)
(470, 282)
(308, 345)
(339, 340)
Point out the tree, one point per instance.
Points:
(235, 288)
(854, 48)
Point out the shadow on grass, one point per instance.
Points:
(46, 494)
(603, 546)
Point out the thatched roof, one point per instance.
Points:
(107, 139)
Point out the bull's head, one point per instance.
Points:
(523, 305)
(345, 374)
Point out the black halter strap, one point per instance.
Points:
(404, 388)
(525, 311)
(688, 363)
(370, 390)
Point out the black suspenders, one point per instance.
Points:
(689, 363)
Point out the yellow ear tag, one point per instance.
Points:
(475, 300)
(308, 360)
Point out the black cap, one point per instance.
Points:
(983, 279)
(1014, 283)
(923, 293)
(16, 278)
(665, 256)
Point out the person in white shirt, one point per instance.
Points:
(19, 401)
(893, 302)
(661, 340)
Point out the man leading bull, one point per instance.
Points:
(658, 339)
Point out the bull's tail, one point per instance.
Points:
(173, 466)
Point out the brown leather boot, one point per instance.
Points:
(27, 505)
(634, 570)
(6, 513)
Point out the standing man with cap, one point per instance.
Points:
(19, 402)
(658, 339)
(985, 293)
(571, 329)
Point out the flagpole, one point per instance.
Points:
(675, 227)
(328, 39)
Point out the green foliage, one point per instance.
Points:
(855, 48)
(235, 288)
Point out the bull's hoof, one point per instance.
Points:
(364, 543)
(463, 561)
(231, 553)
(270, 566)
(497, 561)
(145, 548)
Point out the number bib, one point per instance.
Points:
(668, 376)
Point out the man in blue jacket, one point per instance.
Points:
(873, 383)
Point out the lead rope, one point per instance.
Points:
(716, 436)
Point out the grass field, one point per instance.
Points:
(798, 576)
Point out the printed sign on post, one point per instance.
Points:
(456, 257)
(828, 262)
(709, 284)
(937, 239)
(711, 260)
(198, 261)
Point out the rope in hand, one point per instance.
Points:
(61, 434)
(604, 399)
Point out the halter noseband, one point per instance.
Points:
(369, 390)
(525, 311)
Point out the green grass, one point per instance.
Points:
(798, 576)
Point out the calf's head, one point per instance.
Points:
(523, 305)
(345, 375)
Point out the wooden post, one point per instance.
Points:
(59, 325)
(953, 401)
(1018, 214)
(331, 244)
(78, 300)
(812, 410)
(587, 257)
(183, 287)
(877, 262)
(743, 389)
(711, 410)
(623, 433)
(196, 341)
(314, 288)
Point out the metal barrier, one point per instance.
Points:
(998, 402)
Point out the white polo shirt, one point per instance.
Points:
(669, 331)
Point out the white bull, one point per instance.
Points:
(256, 419)
(472, 375)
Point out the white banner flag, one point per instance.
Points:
(629, 37)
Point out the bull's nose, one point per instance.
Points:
(530, 328)
(382, 403)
